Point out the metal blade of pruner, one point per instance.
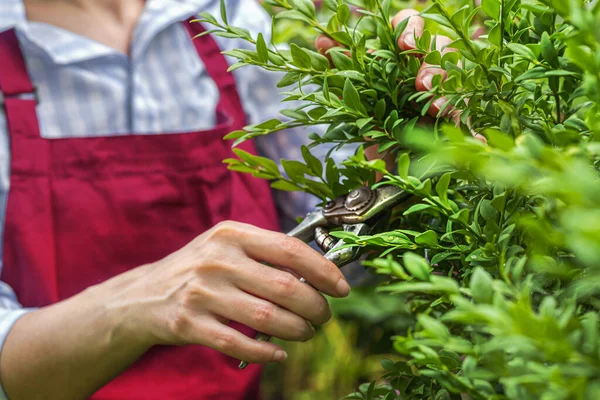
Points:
(357, 212)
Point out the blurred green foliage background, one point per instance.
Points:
(344, 352)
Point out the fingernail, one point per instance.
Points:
(439, 105)
(409, 40)
(312, 329)
(480, 137)
(280, 355)
(342, 287)
(427, 81)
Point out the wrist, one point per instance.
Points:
(122, 317)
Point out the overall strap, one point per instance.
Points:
(215, 63)
(17, 93)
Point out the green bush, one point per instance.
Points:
(498, 251)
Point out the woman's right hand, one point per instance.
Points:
(190, 296)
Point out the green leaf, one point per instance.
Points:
(235, 135)
(285, 186)
(440, 19)
(548, 50)
(491, 8)
(269, 124)
(403, 166)
(418, 207)
(289, 79)
(428, 238)
(223, 12)
(342, 38)
(351, 75)
(306, 7)
(261, 49)
(300, 57)
(380, 109)
(439, 257)
(462, 215)
(424, 189)
(441, 188)
(293, 15)
(399, 29)
(331, 4)
(295, 169)
(417, 266)
(481, 286)
(495, 35)
(208, 17)
(434, 58)
(522, 50)
(343, 13)
(236, 66)
(351, 97)
(267, 165)
(363, 121)
(434, 327)
(387, 364)
(487, 210)
(318, 61)
(312, 162)
(498, 139)
(341, 61)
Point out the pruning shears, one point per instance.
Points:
(359, 212)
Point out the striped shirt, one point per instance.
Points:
(88, 89)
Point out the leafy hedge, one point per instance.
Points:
(498, 252)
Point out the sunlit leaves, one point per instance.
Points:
(496, 252)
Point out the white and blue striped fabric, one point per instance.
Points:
(88, 89)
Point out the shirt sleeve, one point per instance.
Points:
(262, 100)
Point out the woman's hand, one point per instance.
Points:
(406, 42)
(72, 348)
(191, 295)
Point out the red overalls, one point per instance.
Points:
(85, 209)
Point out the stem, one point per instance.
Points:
(558, 113)
(500, 59)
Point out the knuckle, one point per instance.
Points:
(178, 323)
(264, 313)
(225, 342)
(197, 293)
(217, 265)
(291, 246)
(285, 284)
(224, 229)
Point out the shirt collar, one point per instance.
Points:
(65, 47)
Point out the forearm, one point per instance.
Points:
(68, 350)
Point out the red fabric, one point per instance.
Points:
(83, 210)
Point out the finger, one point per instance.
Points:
(324, 44)
(284, 289)
(476, 135)
(237, 345)
(442, 44)
(439, 108)
(424, 79)
(279, 249)
(414, 28)
(263, 316)
(427, 71)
